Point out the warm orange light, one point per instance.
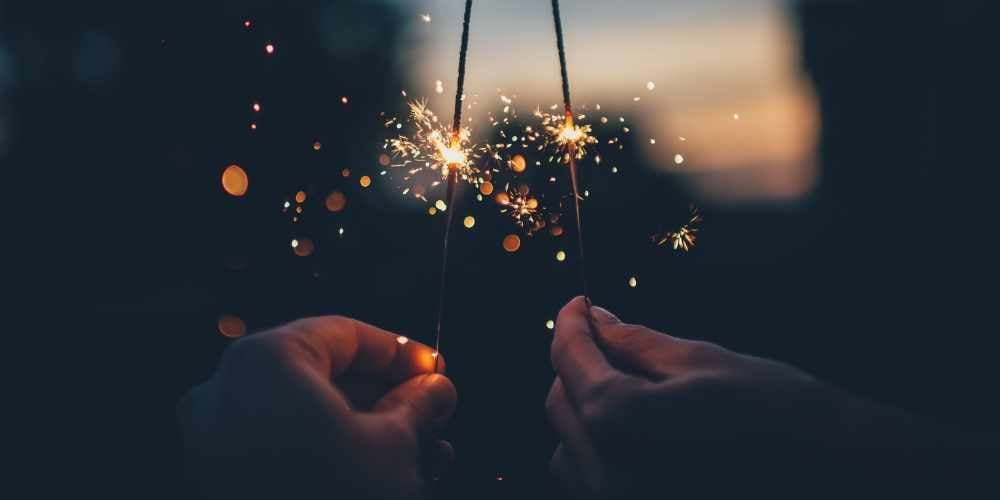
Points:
(232, 326)
(269, 48)
(235, 180)
(502, 198)
(336, 201)
(486, 188)
(556, 231)
(512, 243)
(518, 164)
(365, 181)
(402, 340)
(560, 255)
(384, 160)
(345, 172)
(469, 222)
(300, 197)
(317, 146)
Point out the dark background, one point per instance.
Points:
(125, 250)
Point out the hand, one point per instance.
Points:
(637, 411)
(319, 408)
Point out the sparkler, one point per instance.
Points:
(457, 159)
(572, 139)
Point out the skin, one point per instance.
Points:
(638, 411)
(316, 408)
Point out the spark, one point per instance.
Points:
(425, 18)
(568, 138)
(343, 100)
(433, 148)
(678, 158)
(523, 208)
(685, 237)
(650, 86)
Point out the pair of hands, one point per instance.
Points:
(331, 404)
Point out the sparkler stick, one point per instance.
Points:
(569, 128)
(453, 173)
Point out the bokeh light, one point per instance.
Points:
(235, 180)
(304, 248)
(512, 243)
(336, 201)
(365, 181)
(232, 326)
(469, 222)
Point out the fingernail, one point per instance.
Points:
(604, 316)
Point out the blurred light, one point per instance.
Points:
(441, 205)
(305, 248)
(560, 255)
(650, 86)
(425, 18)
(439, 87)
(300, 197)
(345, 172)
(336, 201)
(340, 231)
(678, 158)
(401, 340)
(633, 282)
(469, 222)
(518, 164)
(317, 146)
(232, 326)
(432, 211)
(556, 231)
(343, 100)
(384, 160)
(247, 24)
(511, 243)
(235, 180)
(256, 107)
(253, 126)
(365, 181)
(295, 243)
(269, 48)
(550, 324)
(486, 188)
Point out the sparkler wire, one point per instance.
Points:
(452, 176)
(560, 46)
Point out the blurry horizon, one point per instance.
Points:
(726, 75)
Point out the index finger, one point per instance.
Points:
(575, 355)
(337, 345)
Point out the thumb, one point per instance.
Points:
(638, 348)
(424, 401)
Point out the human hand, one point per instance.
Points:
(640, 411)
(321, 407)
